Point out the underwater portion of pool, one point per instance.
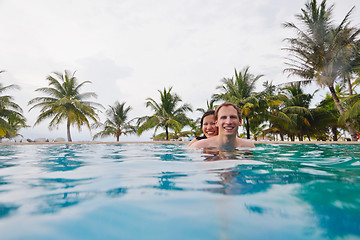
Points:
(169, 191)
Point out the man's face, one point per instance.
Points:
(228, 121)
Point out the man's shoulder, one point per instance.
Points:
(245, 143)
(201, 143)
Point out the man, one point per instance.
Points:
(228, 120)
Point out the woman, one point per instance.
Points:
(208, 127)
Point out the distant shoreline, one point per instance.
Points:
(172, 142)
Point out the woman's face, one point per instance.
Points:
(209, 127)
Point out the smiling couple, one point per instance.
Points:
(222, 131)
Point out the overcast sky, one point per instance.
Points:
(129, 49)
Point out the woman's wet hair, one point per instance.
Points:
(207, 113)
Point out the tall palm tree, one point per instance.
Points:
(116, 123)
(11, 118)
(167, 115)
(241, 92)
(65, 102)
(318, 52)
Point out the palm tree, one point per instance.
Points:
(65, 102)
(116, 124)
(195, 127)
(167, 115)
(320, 49)
(11, 118)
(270, 103)
(240, 91)
(297, 108)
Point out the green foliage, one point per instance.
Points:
(11, 117)
(196, 129)
(353, 111)
(65, 102)
(241, 92)
(257, 130)
(116, 123)
(322, 51)
(167, 114)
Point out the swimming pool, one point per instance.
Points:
(169, 191)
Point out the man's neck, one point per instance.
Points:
(227, 140)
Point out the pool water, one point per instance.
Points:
(169, 191)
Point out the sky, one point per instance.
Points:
(130, 49)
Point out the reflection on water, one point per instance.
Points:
(330, 184)
(59, 183)
(297, 191)
(213, 154)
(64, 159)
(336, 206)
(116, 192)
(7, 157)
(6, 209)
(167, 181)
(57, 202)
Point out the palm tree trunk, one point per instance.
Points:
(68, 131)
(247, 127)
(341, 111)
(301, 135)
(334, 131)
(349, 85)
(118, 134)
(167, 133)
(281, 137)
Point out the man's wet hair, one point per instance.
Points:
(226, 104)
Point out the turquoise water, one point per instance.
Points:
(168, 191)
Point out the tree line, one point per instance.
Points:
(320, 51)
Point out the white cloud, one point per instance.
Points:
(130, 49)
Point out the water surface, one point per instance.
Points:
(169, 191)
